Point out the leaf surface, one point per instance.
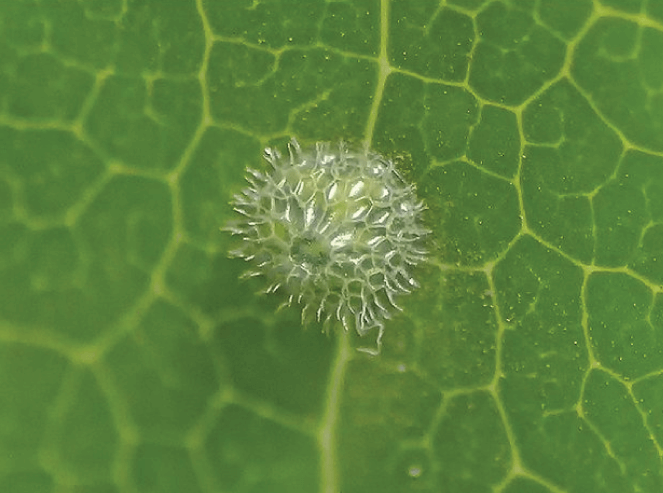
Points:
(134, 359)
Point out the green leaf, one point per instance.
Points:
(133, 358)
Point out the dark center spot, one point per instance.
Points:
(306, 250)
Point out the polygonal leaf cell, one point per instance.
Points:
(444, 104)
(147, 126)
(250, 453)
(514, 56)
(649, 396)
(273, 24)
(399, 131)
(349, 26)
(52, 168)
(461, 337)
(495, 142)
(571, 153)
(470, 444)
(385, 410)
(564, 19)
(87, 438)
(622, 331)
(163, 468)
(164, 372)
(30, 378)
(127, 226)
(478, 213)
(629, 213)
(43, 88)
(75, 35)
(628, 55)
(277, 362)
(41, 273)
(430, 41)
(543, 353)
(207, 187)
(610, 408)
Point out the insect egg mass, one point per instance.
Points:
(339, 231)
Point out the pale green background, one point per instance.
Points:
(132, 359)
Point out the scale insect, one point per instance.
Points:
(338, 231)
